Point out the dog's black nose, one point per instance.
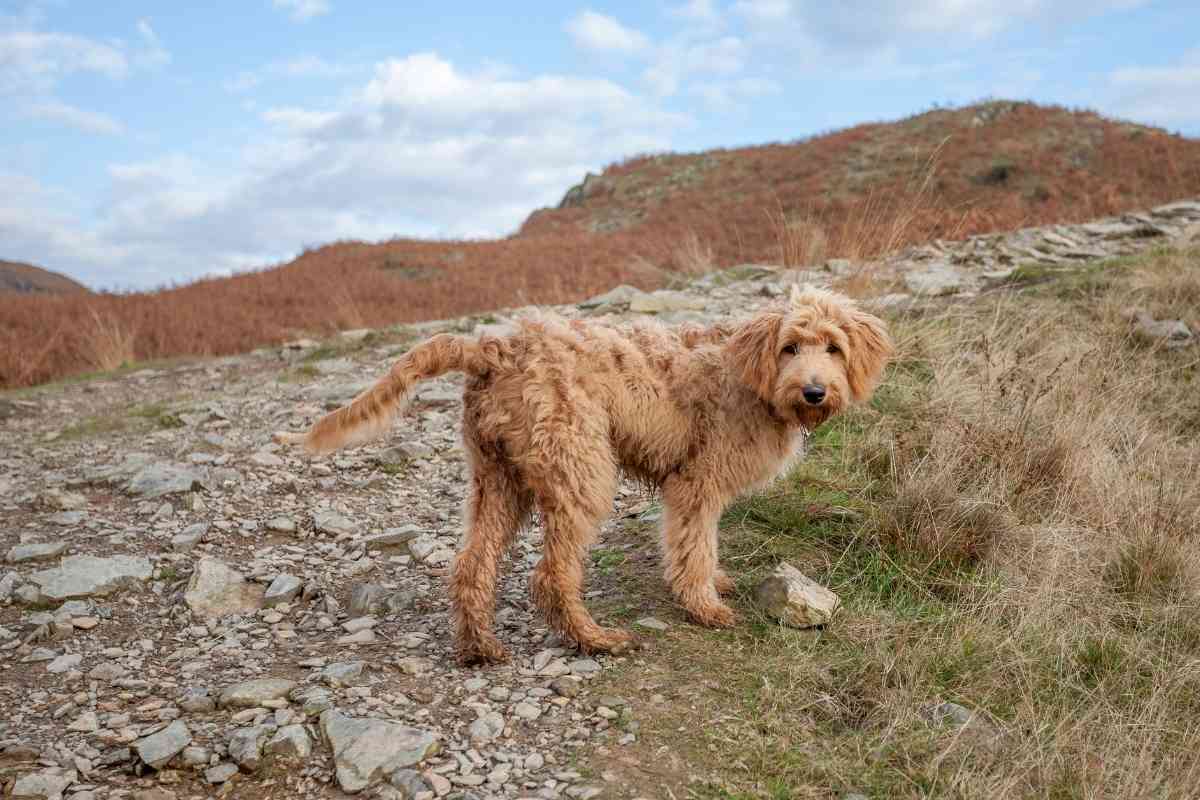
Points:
(813, 394)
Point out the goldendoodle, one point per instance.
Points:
(554, 411)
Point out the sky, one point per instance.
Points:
(147, 144)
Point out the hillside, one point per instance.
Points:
(853, 193)
(16, 276)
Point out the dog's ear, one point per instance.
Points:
(870, 348)
(752, 352)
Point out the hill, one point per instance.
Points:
(17, 276)
(853, 193)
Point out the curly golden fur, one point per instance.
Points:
(555, 411)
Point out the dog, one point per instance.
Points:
(555, 411)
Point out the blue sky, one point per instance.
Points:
(154, 143)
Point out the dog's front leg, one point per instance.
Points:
(690, 518)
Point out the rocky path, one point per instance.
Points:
(188, 611)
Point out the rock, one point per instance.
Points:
(664, 300)
(366, 598)
(365, 751)
(281, 525)
(216, 590)
(159, 748)
(566, 686)
(254, 693)
(971, 726)
(415, 665)
(486, 728)
(245, 746)
(617, 296)
(652, 623)
(195, 757)
(8, 583)
(197, 700)
(409, 782)
(585, 667)
(88, 576)
(313, 700)
(49, 784)
(527, 711)
(365, 636)
(534, 762)
(35, 551)
(359, 624)
(263, 458)
(220, 773)
(283, 589)
(934, 281)
(343, 673)
(108, 672)
(62, 500)
(333, 523)
(63, 663)
(87, 722)
(840, 267)
(191, 536)
(1170, 333)
(291, 741)
(160, 479)
(790, 598)
(392, 537)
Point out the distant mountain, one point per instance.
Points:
(16, 276)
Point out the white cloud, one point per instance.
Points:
(1169, 95)
(303, 67)
(677, 61)
(302, 10)
(82, 119)
(422, 148)
(33, 61)
(155, 54)
(593, 31)
(701, 11)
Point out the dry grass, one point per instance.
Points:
(854, 193)
(1026, 545)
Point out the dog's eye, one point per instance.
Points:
(833, 349)
(790, 349)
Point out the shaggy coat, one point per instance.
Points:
(555, 411)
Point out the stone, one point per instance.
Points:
(245, 746)
(290, 741)
(840, 267)
(63, 500)
(220, 773)
(36, 551)
(333, 523)
(392, 537)
(790, 598)
(409, 782)
(189, 537)
(486, 728)
(343, 673)
(617, 296)
(665, 300)
(108, 672)
(263, 458)
(283, 589)
(90, 576)
(216, 590)
(585, 667)
(527, 711)
(87, 722)
(250, 694)
(364, 636)
(1171, 333)
(359, 624)
(49, 784)
(197, 700)
(366, 751)
(8, 584)
(63, 663)
(161, 479)
(313, 700)
(159, 748)
(652, 624)
(366, 598)
(566, 686)
(934, 281)
(281, 525)
(195, 757)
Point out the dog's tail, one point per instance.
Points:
(369, 414)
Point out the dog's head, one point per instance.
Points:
(812, 358)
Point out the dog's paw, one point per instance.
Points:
(611, 640)
(716, 615)
(481, 651)
(724, 584)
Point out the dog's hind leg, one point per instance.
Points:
(496, 510)
(574, 496)
(690, 517)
